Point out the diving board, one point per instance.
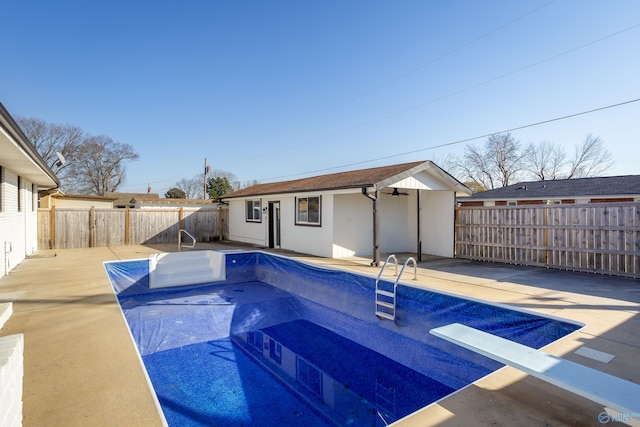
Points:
(186, 268)
(607, 390)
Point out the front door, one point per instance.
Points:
(274, 224)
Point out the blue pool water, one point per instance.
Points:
(286, 343)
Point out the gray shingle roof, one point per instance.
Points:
(566, 188)
(341, 180)
(350, 179)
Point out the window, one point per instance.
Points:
(308, 210)
(309, 375)
(19, 194)
(254, 210)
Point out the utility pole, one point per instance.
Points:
(207, 169)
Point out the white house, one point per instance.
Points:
(391, 209)
(22, 173)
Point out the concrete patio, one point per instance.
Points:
(81, 366)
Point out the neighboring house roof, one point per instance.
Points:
(378, 178)
(19, 155)
(171, 202)
(124, 199)
(61, 195)
(609, 186)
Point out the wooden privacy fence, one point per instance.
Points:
(60, 228)
(599, 238)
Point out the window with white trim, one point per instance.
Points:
(308, 210)
(254, 210)
(19, 185)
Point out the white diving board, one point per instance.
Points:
(607, 390)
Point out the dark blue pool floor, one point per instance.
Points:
(216, 384)
(230, 382)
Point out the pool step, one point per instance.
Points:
(385, 304)
(384, 315)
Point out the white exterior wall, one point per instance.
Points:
(347, 224)
(18, 229)
(242, 231)
(352, 226)
(311, 240)
(398, 224)
(437, 226)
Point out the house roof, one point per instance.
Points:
(124, 199)
(19, 155)
(626, 185)
(82, 197)
(378, 177)
(175, 201)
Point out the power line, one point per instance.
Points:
(569, 116)
(406, 73)
(449, 95)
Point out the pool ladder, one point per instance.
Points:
(385, 295)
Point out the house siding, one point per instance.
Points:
(18, 228)
(437, 217)
(311, 240)
(241, 230)
(398, 228)
(352, 226)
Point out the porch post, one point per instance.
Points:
(376, 225)
(376, 231)
(419, 249)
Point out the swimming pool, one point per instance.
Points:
(281, 342)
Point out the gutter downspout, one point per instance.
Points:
(376, 226)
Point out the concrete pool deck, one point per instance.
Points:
(81, 366)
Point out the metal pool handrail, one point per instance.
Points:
(193, 244)
(390, 303)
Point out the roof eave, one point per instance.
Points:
(35, 168)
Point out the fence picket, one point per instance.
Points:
(114, 227)
(598, 237)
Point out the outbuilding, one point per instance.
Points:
(400, 208)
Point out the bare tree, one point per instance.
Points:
(545, 160)
(590, 159)
(50, 138)
(192, 187)
(99, 166)
(94, 164)
(497, 164)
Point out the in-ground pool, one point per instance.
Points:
(281, 342)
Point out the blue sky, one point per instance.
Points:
(274, 90)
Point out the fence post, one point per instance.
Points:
(545, 237)
(92, 227)
(220, 227)
(52, 228)
(180, 218)
(127, 226)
